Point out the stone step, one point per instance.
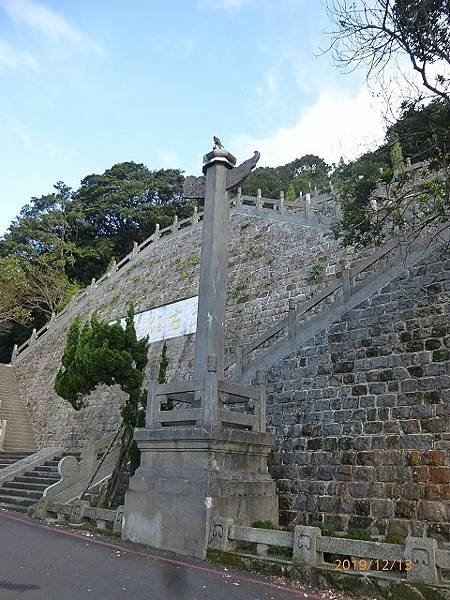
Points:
(27, 478)
(17, 485)
(21, 493)
(16, 500)
(14, 507)
(26, 449)
(46, 469)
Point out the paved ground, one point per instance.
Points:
(43, 562)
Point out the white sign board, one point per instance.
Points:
(169, 321)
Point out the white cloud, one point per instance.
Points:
(42, 19)
(338, 124)
(12, 58)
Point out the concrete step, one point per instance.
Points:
(42, 472)
(16, 500)
(14, 507)
(21, 493)
(17, 485)
(27, 478)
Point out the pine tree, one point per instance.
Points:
(98, 352)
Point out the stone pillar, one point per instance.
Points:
(422, 554)
(305, 545)
(214, 264)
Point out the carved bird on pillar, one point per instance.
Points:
(217, 143)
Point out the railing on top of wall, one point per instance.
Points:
(239, 200)
(288, 326)
(258, 201)
(418, 559)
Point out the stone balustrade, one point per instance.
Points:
(93, 468)
(239, 406)
(79, 512)
(419, 559)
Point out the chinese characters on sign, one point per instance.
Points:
(169, 321)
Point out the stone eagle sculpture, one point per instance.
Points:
(194, 187)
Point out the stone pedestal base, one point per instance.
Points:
(188, 476)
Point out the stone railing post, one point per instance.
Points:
(118, 519)
(239, 197)
(113, 268)
(135, 252)
(347, 283)
(211, 393)
(52, 318)
(14, 354)
(195, 216)
(218, 535)
(422, 554)
(281, 203)
(3, 424)
(156, 234)
(258, 199)
(308, 205)
(239, 360)
(151, 408)
(261, 384)
(92, 286)
(175, 225)
(291, 318)
(33, 337)
(305, 546)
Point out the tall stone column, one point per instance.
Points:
(214, 264)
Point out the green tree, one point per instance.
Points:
(123, 205)
(374, 33)
(46, 228)
(13, 290)
(98, 352)
(304, 173)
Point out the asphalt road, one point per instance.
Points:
(43, 562)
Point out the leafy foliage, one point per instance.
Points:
(97, 353)
(303, 173)
(63, 239)
(374, 32)
(13, 288)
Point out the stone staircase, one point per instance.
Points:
(9, 458)
(19, 433)
(329, 305)
(27, 488)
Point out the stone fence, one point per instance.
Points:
(79, 512)
(97, 463)
(239, 406)
(158, 234)
(303, 203)
(419, 559)
(2, 431)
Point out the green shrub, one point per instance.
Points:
(394, 537)
(358, 534)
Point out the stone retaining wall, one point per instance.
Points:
(270, 262)
(362, 414)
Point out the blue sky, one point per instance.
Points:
(86, 84)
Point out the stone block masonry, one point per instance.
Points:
(362, 414)
(270, 262)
